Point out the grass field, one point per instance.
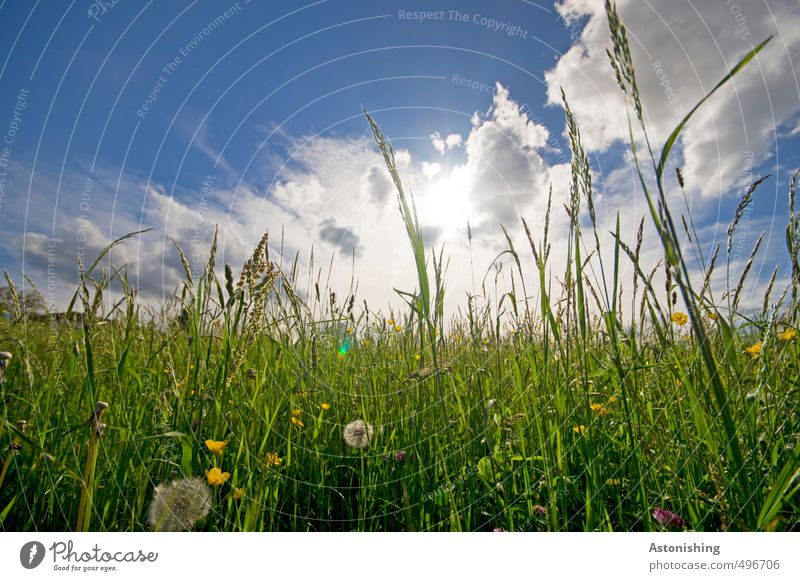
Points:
(273, 404)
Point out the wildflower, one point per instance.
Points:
(273, 459)
(325, 406)
(599, 409)
(612, 482)
(216, 447)
(668, 518)
(417, 357)
(579, 429)
(5, 357)
(498, 530)
(680, 318)
(296, 413)
(297, 422)
(238, 493)
(357, 434)
(178, 506)
(538, 510)
(349, 331)
(400, 456)
(788, 334)
(217, 477)
(754, 349)
(390, 322)
(612, 399)
(398, 328)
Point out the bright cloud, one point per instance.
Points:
(680, 54)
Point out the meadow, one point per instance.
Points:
(262, 401)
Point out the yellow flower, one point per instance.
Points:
(579, 429)
(398, 328)
(390, 322)
(325, 406)
(216, 447)
(713, 316)
(612, 482)
(297, 422)
(238, 493)
(217, 477)
(680, 318)
(788, 334)
(612, 399)
(754, 349)
(599, 409)
(273, 459)
(349, 331)
(296, 413)
(417, 357)
(364, 343)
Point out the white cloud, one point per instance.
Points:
(429, 170)
(694, 45)
(442, 144)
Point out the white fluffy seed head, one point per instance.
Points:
(357, 434)
(178, 506)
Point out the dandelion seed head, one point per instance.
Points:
(178, 506)
(357, 434)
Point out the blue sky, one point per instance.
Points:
(179, 116)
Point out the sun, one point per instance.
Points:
(443, 202)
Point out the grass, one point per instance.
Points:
(542, 414)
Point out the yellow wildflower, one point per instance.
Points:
(612, 399)
(754, 349)
(273, 459)
(612, 482)
(297, 422)
(398, 328)
(390, 322)
(788, 334)
(238, 493)
(599, 409)
(417, 357)
(325, 406)
(680, 318)
(296, 413)
(349, 331)
(217, 477)
(579, 429)
(216, 447)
